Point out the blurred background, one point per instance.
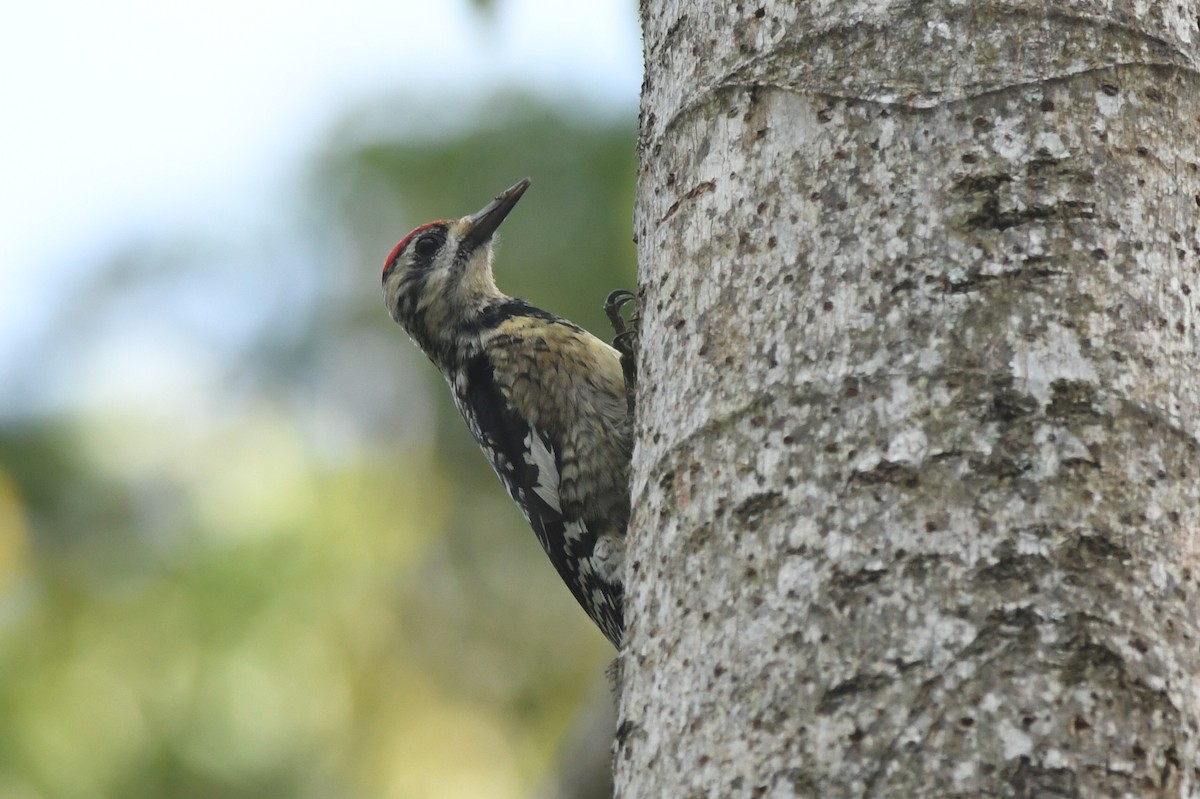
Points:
(247, 547)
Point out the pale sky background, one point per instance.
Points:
(129, 117)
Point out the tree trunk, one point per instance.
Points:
(917, 507)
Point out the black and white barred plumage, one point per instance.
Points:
(544, 398)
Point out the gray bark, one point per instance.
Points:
(917, 507)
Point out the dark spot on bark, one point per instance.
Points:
(1171, 763)
(974, 184)
(624, 730)
(999, 465)
(1111, 89)
(887, 472)
(1047, 105)
(1042, 161)
(1013, 567)
(750, 512)
(1154, 94)
(697, 190)
(990, 216)
(845, 585)
(1009, 623)
(1009, 404)
(858, 684)
(1092, 662)
(1072, 399)
(1039, 782)
(969, 158)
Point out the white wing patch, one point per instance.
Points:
(547, 476)
(574, 531)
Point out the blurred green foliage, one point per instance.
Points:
(286, 571)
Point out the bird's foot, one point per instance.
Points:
(625, 340)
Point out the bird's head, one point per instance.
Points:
(441, 272)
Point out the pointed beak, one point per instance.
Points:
(488, 218)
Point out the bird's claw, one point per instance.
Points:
(625, 339)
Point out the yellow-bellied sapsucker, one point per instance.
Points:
(545, 399)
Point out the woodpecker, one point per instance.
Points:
(544, 399)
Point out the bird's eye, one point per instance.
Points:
(428, 245)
